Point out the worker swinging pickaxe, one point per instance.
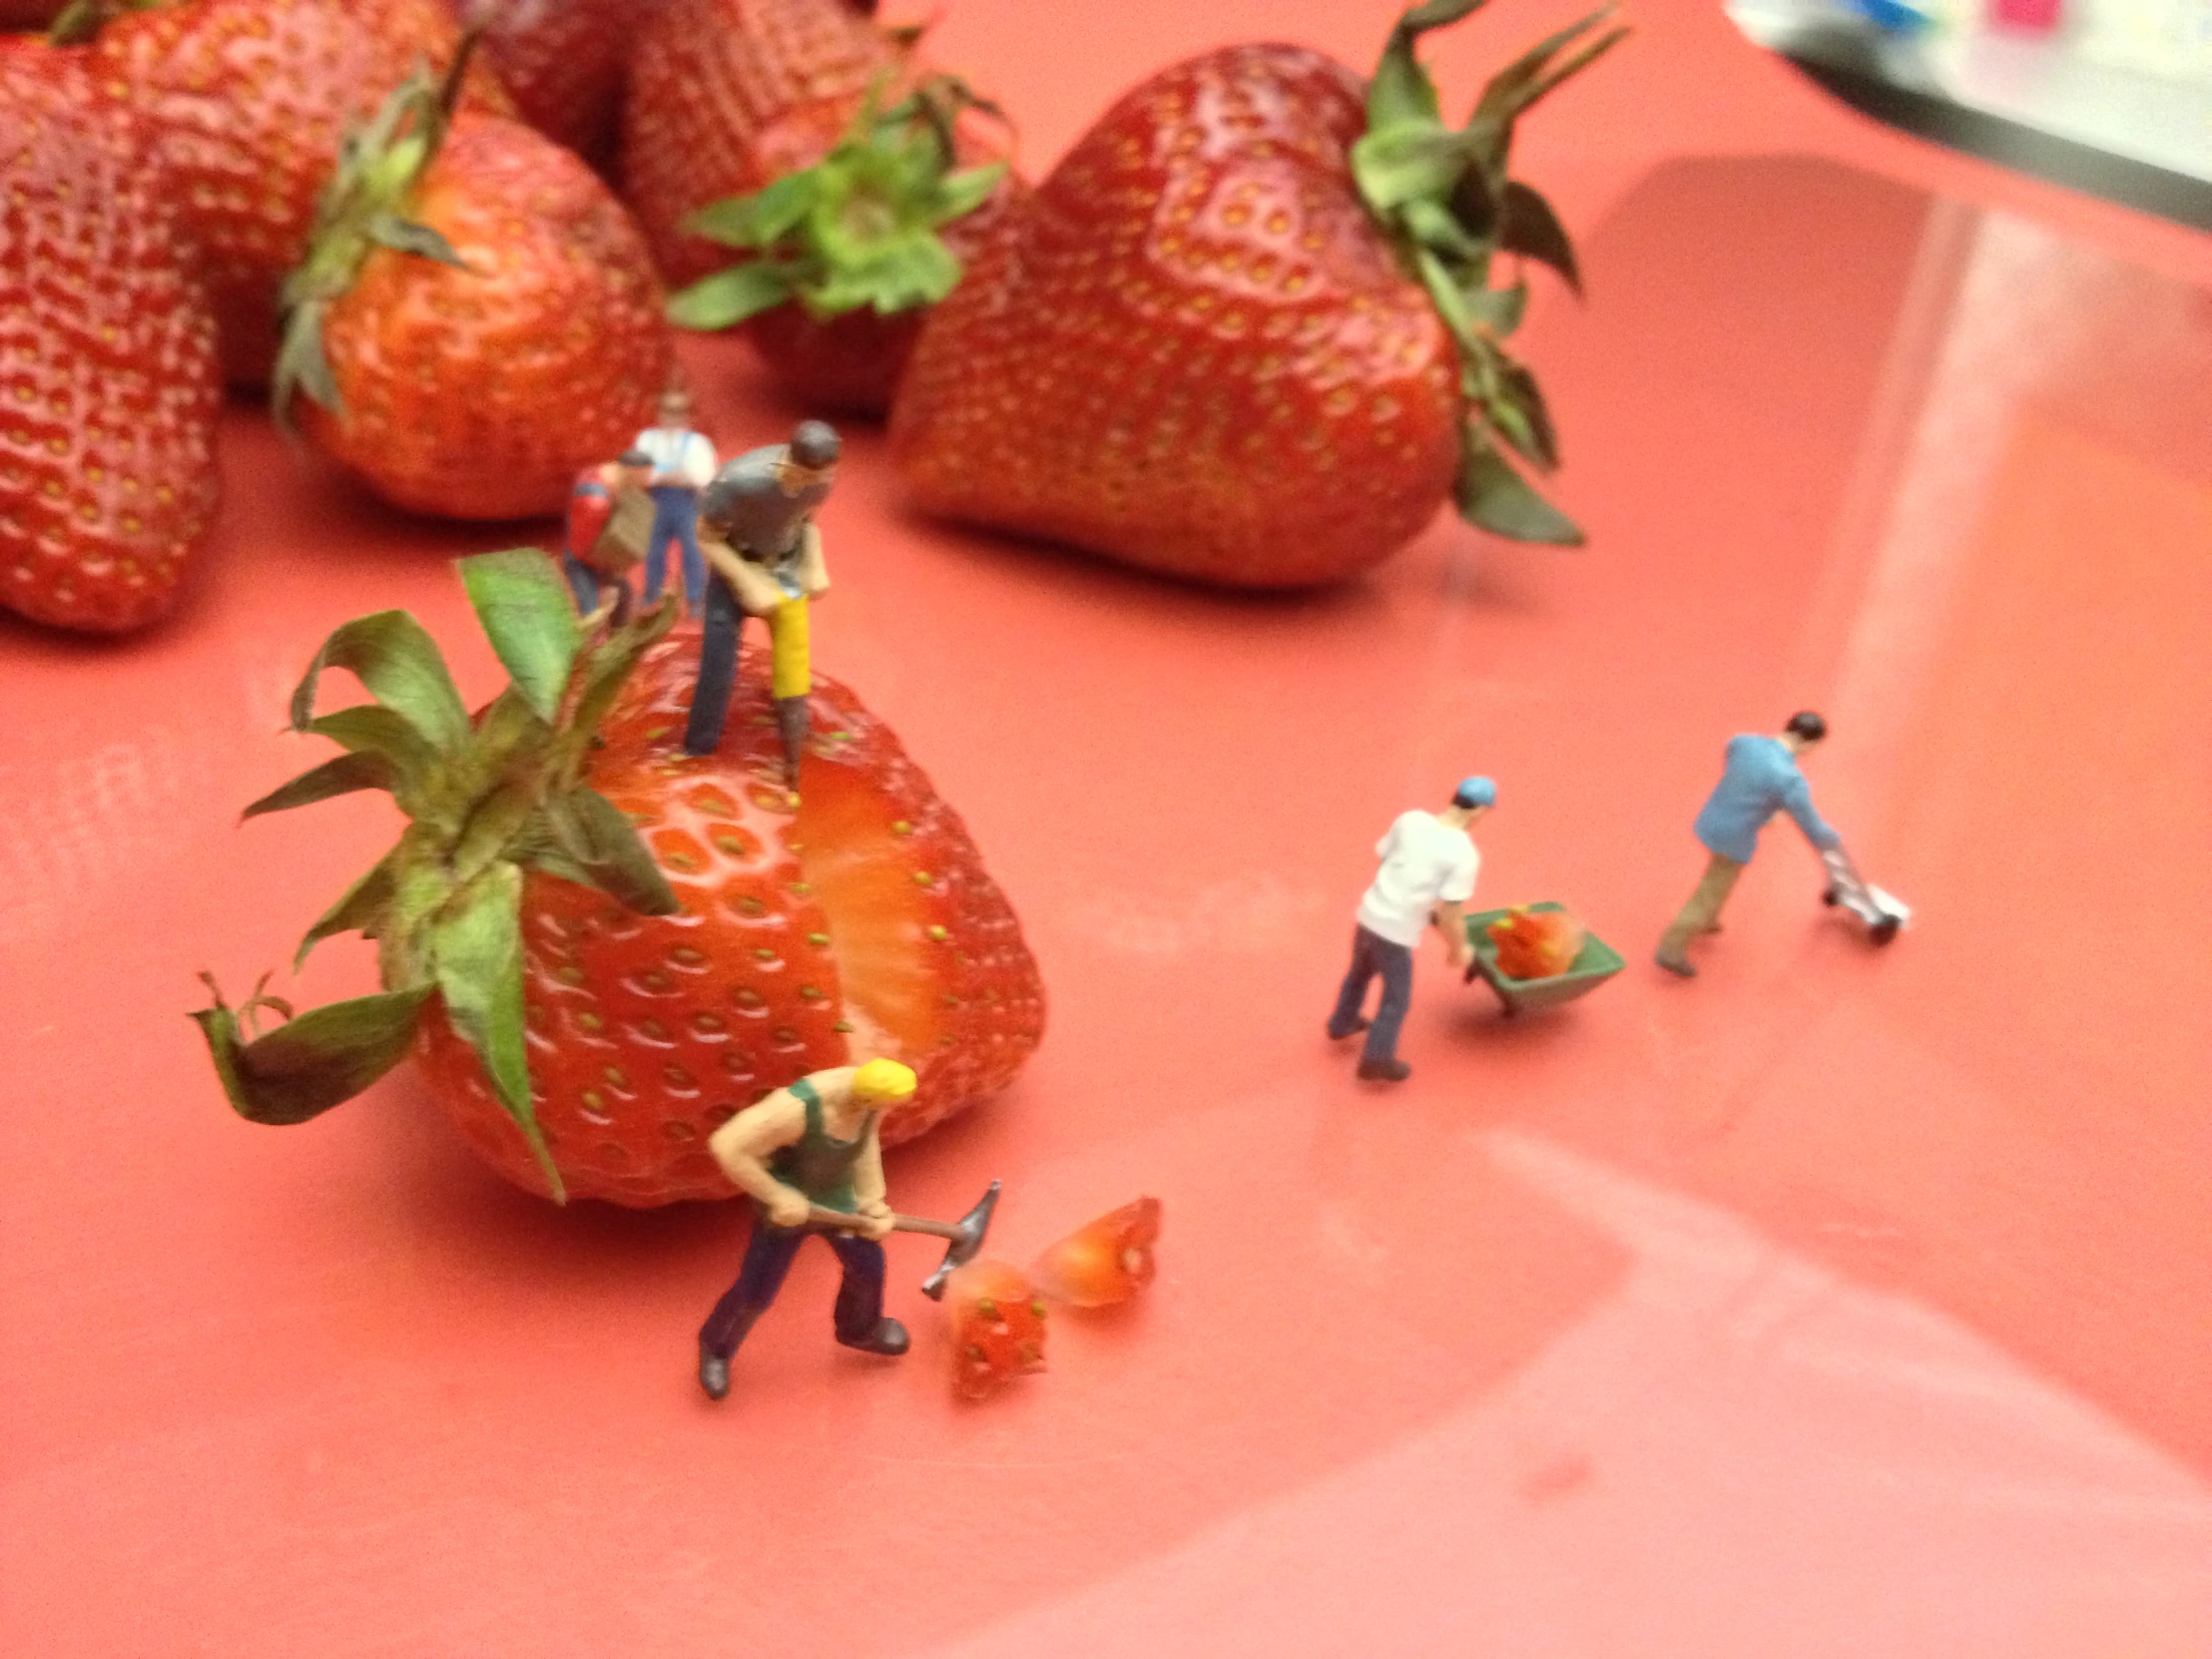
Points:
(807, 1155)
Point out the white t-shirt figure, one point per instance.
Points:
(1426, 861)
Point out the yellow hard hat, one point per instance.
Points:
(883, 1080)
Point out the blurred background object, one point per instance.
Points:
(2113, 97)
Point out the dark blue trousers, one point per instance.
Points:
(674, 518)
(718, 670)
(768, 1258)
(1373, 954)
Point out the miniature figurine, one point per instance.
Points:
(683, 462)
(802, 1151)
(609, 520)
(1428, 875)
(767, 556)
(1760, 778)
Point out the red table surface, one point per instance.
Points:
(1842, 1302)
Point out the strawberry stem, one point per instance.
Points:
(1442, 197)
(860, 228)
(488, 802)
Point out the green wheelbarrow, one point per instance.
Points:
(1595, 963)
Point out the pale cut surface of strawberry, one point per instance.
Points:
(480, 394)
(860, 924)
(249, 99)
(109, 390)
(726, 96)
(1105, 1261)
(1193, 351)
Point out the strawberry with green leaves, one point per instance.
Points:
(109, 388)
(727, 96)
(597, 949)
(247, 101)
(476, 319)
(849, 255)
(1250, 331)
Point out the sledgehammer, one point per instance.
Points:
(966, 1235)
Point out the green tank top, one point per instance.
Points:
(818, 1163)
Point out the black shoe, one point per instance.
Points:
(1357, 1026)
(714, 1374)
(1677, 965)
(888, 1337)
(1384, 1071)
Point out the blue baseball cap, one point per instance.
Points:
(1474, 791)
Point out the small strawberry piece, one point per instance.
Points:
(1536, 944)
(249, 99)
(514, 336)
(998, 1326)
(1244, 331)
(109, 388)
(724, 941)
(1108, 1261)
(845, 258)
(727, 96)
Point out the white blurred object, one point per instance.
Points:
(1882, 913)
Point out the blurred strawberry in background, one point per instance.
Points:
(562, 61)
(727, 96)
(109, 394)
(844, 260)
(476, 318)
(248, 101)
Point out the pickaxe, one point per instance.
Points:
(966, 1235)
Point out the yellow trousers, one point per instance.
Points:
(792, 670)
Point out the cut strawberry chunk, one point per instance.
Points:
(997, 1325)
(1108, 1261)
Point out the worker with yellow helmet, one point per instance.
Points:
(809, 1148)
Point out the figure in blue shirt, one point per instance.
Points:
(1762, 779)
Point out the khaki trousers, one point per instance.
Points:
(1703, 913)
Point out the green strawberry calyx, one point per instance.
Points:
(488, 801)
(82, 20)
(364, 206)
(859, 227)
(1442, 195)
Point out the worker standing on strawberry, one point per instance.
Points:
(767, 557)
(683, 463)
(1428, 875)
(801, 1150)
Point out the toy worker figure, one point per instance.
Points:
(683, 462)
(1428, 875)
(809, 1147)
(591, 555)
(1762, 779)
(767, 557)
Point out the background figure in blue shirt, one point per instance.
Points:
(1762, 779)
(682, 464)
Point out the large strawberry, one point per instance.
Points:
(249, 99)
(1244, 332)
(108, 382)
(562, 62)
(727, 96)
(477, 318)
(583, 1043)
(850, 253)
